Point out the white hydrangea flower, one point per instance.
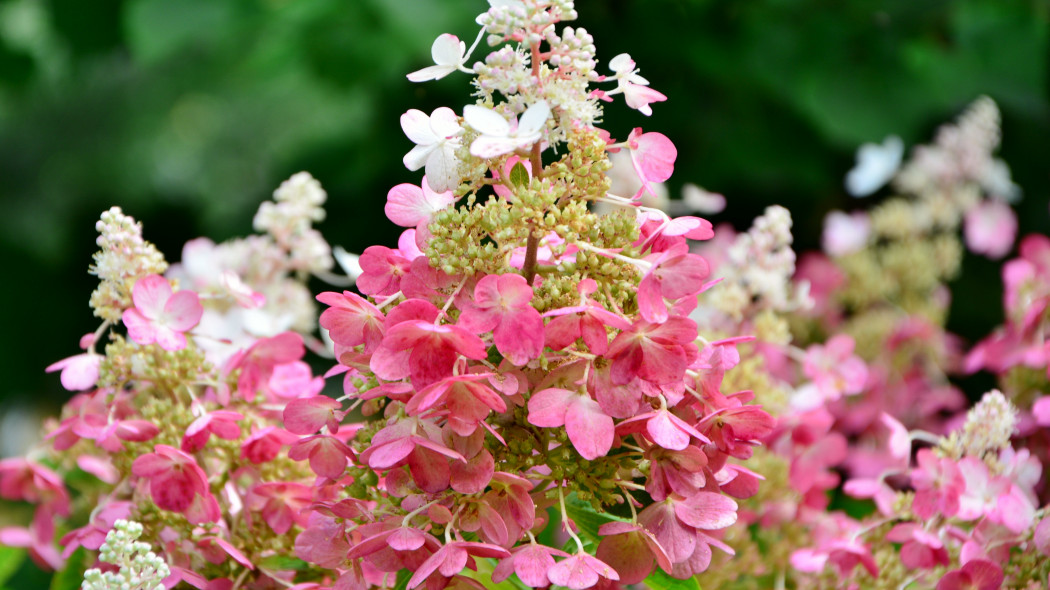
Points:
(876, 165)
(498, 137)
(436, 141)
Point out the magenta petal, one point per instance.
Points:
(474, 475)
(308, 415)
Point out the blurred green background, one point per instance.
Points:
(188, 113)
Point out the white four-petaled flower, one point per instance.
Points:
(435, 139)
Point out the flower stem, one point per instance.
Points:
(528, 269)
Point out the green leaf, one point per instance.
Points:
(72, 576)
(10, 559)
(403, 577)
(519, 176)
(484, 575)
(658, 580)
(586, 518)
(283, 562)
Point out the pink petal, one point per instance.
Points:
(308, 415)
(707, 510)
(140, 329)
(150, 294)
(183, 311)
(653, 155)
(665, 433)
(474, 475)
(519, 336)
(532, 564)
(547, 408)
(589, 429)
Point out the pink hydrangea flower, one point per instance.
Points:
(502, 305)
(990, 228)
(580, 571)
(159, 315)
(177, 483)
(409, 205)
(221, 423)
(79, 372)
(653, 156)
(590, 430)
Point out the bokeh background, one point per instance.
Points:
(188, 113)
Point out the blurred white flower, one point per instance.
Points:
(845, 233)
(702, 201)
(876, 165)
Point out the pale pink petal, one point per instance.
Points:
(532, 564)
(140, 329)
(150, 294)
(573, 573)
(589, 429)
(707, 510)
(183, 311)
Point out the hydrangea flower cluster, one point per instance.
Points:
(522, 386)
(859, 408)
(527, 358)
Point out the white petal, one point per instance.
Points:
(488, 146)
(448, 50)
(430, 73)
(621, 63)
(444, 122)
(415, 159)
(533, 120)
(698, 199)
(416, 125)
(486, 121)
(876, 165)
(350, 263)
(441, 169)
